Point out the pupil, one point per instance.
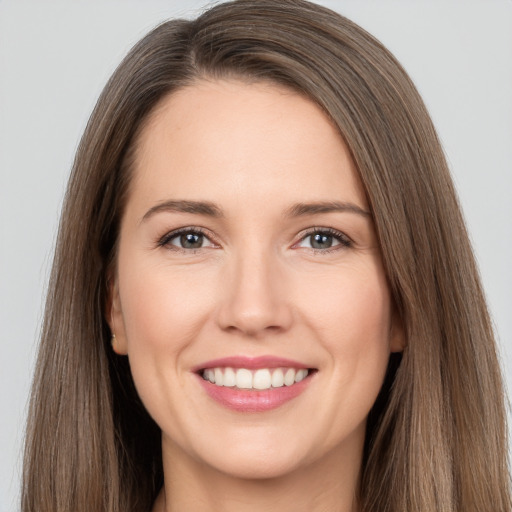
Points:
(321, 241)
(191, 241)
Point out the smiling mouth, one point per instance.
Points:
(259, 379)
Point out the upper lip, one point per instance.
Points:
(251, 363)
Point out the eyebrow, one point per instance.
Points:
(182, 206)
(303, 209)
(212, 210)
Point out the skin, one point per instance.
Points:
(255, 287)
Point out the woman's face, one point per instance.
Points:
(248, 258)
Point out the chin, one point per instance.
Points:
(266, 459)
(261, 468)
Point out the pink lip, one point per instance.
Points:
(251, 400)
(251, 363)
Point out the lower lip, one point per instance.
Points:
(251, 400)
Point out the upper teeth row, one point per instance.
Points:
(263, 378)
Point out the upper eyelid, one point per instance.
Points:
(318, 229)
(162, 240)
(212, 238)
(344, 240)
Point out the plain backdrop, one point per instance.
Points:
(55, 58)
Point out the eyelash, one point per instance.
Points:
(344, 240)
(166, 239)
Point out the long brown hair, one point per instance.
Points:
(436, 438)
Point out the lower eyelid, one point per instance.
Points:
(341, 239)
(165, 240)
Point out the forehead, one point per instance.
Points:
(215, 138)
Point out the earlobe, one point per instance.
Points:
(120, 351)
(114, 319)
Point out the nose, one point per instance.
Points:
(254, 297)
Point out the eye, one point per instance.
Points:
(324, 239)
(186, 239)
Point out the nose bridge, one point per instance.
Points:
(254, 296)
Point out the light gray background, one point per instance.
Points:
(55, 58)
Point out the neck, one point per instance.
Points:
(327, 484)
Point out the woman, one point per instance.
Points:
(263, 292)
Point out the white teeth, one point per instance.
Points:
(243, 379)
(229, 377)
(219, 377)
(300, 375)
(277, 378)
(263, 378)
(289, 377)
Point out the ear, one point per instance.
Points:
(114, 317)
(397, 340)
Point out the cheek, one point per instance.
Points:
(352, 316)
(162, 308)
(162, 312)
(351, 303)
(353, 324)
